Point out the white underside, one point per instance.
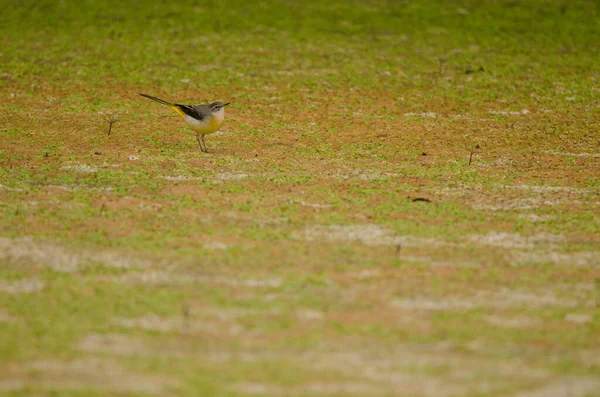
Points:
(207, 126)
(197, 124)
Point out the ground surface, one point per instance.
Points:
(404, 199)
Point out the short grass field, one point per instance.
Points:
(404, 199)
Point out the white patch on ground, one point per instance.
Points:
(228, 313)
(312, 205)
(179, 178)
(24, 286)
(80, 188)
(229, 176)
(371, 235)
(460, 190)
(215, 245)
(368, 274)
(258, 388)
(251, 356)
(170, 324)
(515, 240)
(337, 388)
(510, 322)
(534, 299)
(373, 175)
(510, 113)
(537, 218)
(435, 370)
(572, 258)
(501, 198)
(382, 379)
(263, 222)
(80, 167)
(403, 367)
(151, 277)
(253, 283)
(423, 303)
(84, 374)
(344, 388)
(546, 189)
(423, 114)
(307, 314)
(347, 173)
(515, 204)
(59, 258)
(565, 387)
(156, 277)
(430, 261)
(503, 299)
(583, 288)
(578, 318)
(571, 154)
(409, 368)
(150, 323)
(152, 207)
(367, 234)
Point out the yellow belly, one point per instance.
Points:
(202, 127)
(208, 127)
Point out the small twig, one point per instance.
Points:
(185, 310)
(111, 119)
(441, 65)
(472, 152)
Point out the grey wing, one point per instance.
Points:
(198, 112)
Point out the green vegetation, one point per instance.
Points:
(404, 199)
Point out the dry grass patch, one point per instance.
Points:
(60, 257)
(24, 286)
(84, 374)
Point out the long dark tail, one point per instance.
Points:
(157, 99)
(173, 106)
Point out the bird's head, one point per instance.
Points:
(217, 106)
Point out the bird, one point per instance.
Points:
(203, 119)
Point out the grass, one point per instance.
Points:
(294, 259)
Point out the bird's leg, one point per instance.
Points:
(200, 143)
(205, 147)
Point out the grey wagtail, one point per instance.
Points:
(203, 119)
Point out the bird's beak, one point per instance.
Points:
(226, 104)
